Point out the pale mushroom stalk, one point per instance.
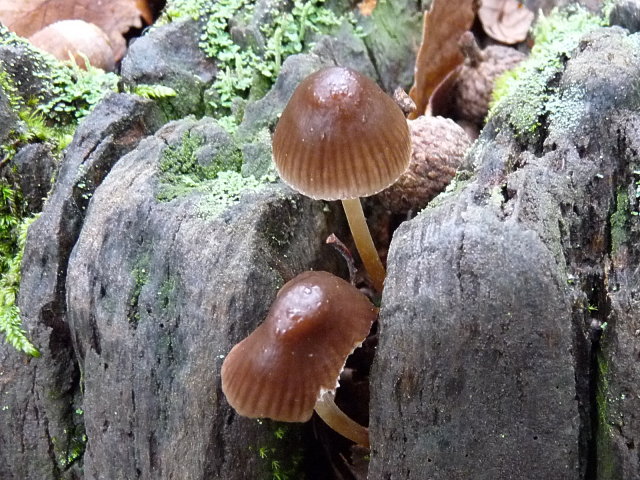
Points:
(364, 242)
(329, 412)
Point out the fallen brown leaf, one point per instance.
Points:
(439, 53)
(145, 11)
(366, 7)
(114, 17)
(507, 21)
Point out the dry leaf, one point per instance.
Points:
(366, 7)
(145, 11)
(507, 21)
(114, 17)
(439, 53)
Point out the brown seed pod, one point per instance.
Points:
(439, 146)
(472, 90)
(75, 39)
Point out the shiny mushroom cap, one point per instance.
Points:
(340, 136)
(298, 352)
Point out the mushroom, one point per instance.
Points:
(290, 365)
(341, 137)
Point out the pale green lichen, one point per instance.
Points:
(566, 109)
(225, 191)
(525, 95)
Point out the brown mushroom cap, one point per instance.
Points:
(298, 352)
(340, 136)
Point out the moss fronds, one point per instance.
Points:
(278, 460)
(75, 92)
(13, 235)
(241, 66)
(155, 92)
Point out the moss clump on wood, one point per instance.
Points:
(248, 62)
(59, 94)
(13, 236)
(220, 182)
(525, 95)
(618, 221)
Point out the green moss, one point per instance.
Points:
(154, 91)
(66, 95)
(60, 95)
(219, 183)
(241, 66)
(525, 95)
(181, 160)
(225, 191)
(140, 274)
(618, 221)
(71, 450)
(74, 92)
(13, 236)
(604, 434)
(181, 9)
(168, 294)
(249, 69)
(282, 455)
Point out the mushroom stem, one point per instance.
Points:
(364, 242)
(329, 412)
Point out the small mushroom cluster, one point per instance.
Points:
(339, 138)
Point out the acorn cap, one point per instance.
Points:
(340, 136)
(472, 90)
(298, 352)
(439, 147)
